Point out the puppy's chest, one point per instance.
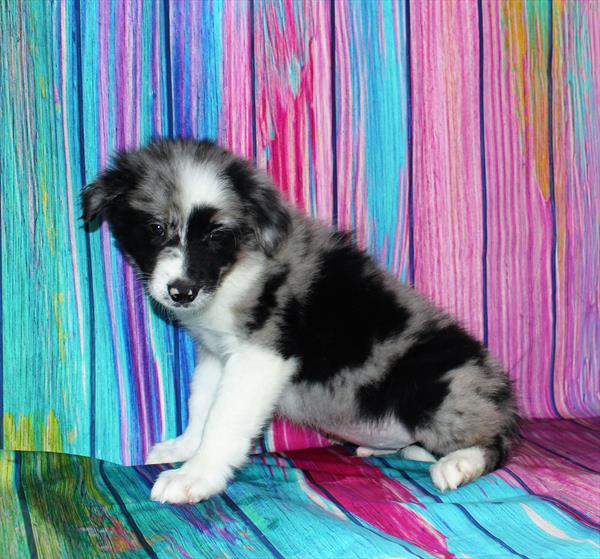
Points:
(218, 343)
(216, 331)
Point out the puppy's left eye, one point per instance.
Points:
(157, 230)
(219, 234)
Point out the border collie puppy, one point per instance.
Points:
(292, 319)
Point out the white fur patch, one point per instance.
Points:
(169, 267)
(365, 452)
(203, 389)
(417, 453)
(388, 435)
(200, 185)
(252, 381)
(216, 324)
(458, 468)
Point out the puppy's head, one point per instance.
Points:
(185, 212)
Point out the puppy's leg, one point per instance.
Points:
(202, 393)
(250, 387)
(411, 452)
(417, 453)
(365, 451)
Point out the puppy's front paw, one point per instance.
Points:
(181, 486)
(179, 449)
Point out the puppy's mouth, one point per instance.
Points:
(179, 299)
(195, 305)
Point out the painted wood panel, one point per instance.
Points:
(576, 153)
(293, 100)
(459, 140)
(45, 320)
(519, 196)
(132, 107)
(372, 127)
(448, 236)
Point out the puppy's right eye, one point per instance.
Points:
(157, 230)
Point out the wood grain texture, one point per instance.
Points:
(576, 133)
(448, 236)
(371, 136)
(282, 504)
(45, 320)
(293, 100)
(132, 101)
(458, 140)
(519, 199)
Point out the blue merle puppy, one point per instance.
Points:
(292, 319)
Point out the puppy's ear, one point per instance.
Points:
(267, 214)
(108, 186)
(270, 217)
(95, 197)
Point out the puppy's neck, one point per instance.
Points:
(219, 315)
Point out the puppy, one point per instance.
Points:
(292, 319)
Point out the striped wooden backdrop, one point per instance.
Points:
(459, 139)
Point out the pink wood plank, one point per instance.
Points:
(447, 202)
(236, 126)
(576, 102)
(293, 100)
(519, 196)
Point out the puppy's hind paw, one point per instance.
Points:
(365, 451)
(417, 453)
(457, 468)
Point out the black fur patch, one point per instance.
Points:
(207, 257)
(240, 175)
(131, 229)
(200, 222)
(267, 300)
(502, 394)
(347, 309)
(498, 453)
(412, 388)
(268, 219)
(110, 185)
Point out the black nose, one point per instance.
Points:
(182, 291)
